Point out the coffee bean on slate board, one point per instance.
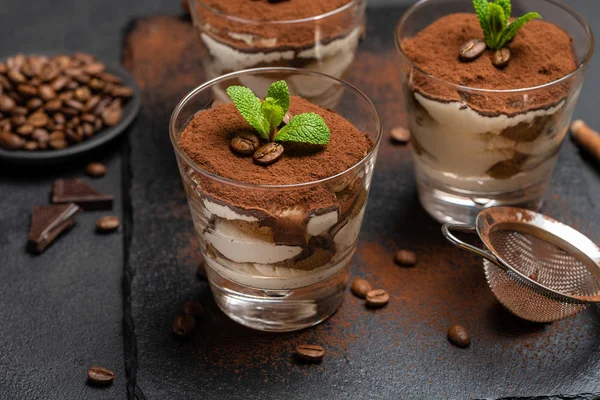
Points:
(310, 352)
(360, 287)
(183, 325)
(108, 224)
(100, 375)
(95, 169)
(405, 258)
(377, 298)
(459, 336)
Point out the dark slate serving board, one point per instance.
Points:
(399, 351)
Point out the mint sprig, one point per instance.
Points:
(494, 17)
(266, 116)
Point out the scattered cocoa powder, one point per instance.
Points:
(217, 15)
(541, 53)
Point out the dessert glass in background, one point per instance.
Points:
(476, 148)
(243, 34)
(278, 256)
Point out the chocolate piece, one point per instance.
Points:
(48, 222)
(78, 192)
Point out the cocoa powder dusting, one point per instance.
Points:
(215, 17)
(541, 53)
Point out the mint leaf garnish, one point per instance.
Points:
(279, 92)
(272, 112)
(250, 107)
(305, 128)
(494, 17)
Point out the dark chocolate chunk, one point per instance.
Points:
(48, 222)
(78, 192)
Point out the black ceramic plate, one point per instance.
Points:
(47, 157)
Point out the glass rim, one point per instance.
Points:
(247, 185)
(567, 8)
(235, 18)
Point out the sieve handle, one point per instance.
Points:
(447, 231)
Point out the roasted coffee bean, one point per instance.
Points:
(98, 125)
(3, 68)
(83, 94)
(100, 376)
(5, 125)
(38, 119)
(74, 104)
(108, 77)
(245, 144)
(49, 72)
(72, 85)
(377, 298)
(113, 113)
(20, 111)
(95, 169)
(193, 308)
(27, 90)
(88, 129)
(101, 106)
(400, 134)
(268, 154)
(501, 58)
(25, 130)
(91, 103)
(108, 88)
(94, 68)
(41, 135)
(18, 120)
(73, 71)
(459, 336)
(183, 325)
(5, 83)
(91, 118)
(405, 258)
(59, 83)
(96, 84)
(15, 62)
(472, 50)
(15, 76)
(58, 144)
(74, 135)
(47, 92)
(6, 104)
(122, 91)
(84, 57)
(27, 71)
(56, 135)
(59, 118)
(31, 146)
(68, 95)
(11, 141)
(360, 287)
(82, 79)
(310, 352)
(35, 103)
(53, 105)
(69, 111)
(108, 224)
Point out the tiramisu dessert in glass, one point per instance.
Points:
(319, 35)
(277, 188)
(490, 90)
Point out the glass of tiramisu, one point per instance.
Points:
(490, 90)
(319, 35)
(277, 190)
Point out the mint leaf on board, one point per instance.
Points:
(506, 6)
(251, 109)
(272, 112)
(280, 92)
(510, 32)
(305, 128)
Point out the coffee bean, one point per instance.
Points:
(193, 308)
(7, 104)
(377, 298)
(310, 352)
(400, 135)
(41, 135)
(83, 94)
(74, 135)
(5, 125)
(47, 92)
(245, 144)
(25, 130)
(95, 169)
(59, 83)
(268, 154)
(472, 50)
(101, 106)
(59, 118)
(405, 258)
(74, 104)
(183, 325)
(113, 113)
(88, 129)
(5, 83)
(108, 224)
(27, 90)
(90, 118)
(94, 68)
(57, 135)
(54, 105)
(360, 287)
(501, 58)
(31, 145)
(82, 79)
(97, 84)
(49, 72)
(122, 91)
(58, 144)
(11, 141)
(18, 120)
(100, 376)
(91, 103)
(15, 76)
(68, 95)
(84, 57)
(459, 336)
(38, 119)
(34, 104)
(105, 76)
(3, 68)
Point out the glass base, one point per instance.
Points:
(448, 205)
(279, 310)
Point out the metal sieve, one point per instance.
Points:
(538, 268)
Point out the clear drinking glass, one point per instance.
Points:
(246, 283)
(465, 161)
(323, 43)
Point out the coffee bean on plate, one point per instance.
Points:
(360, 287)
(11, 141)
(310, 352)
(268, 154)
(183, 325)
(405, 258)
(245, 144)
(95, 169)
(377, 298)
(108, 224)
(193, 308)
(459, 336)
(472, 50)
(31, 145)
(501, 58)
(400, 135)
(100, 375)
